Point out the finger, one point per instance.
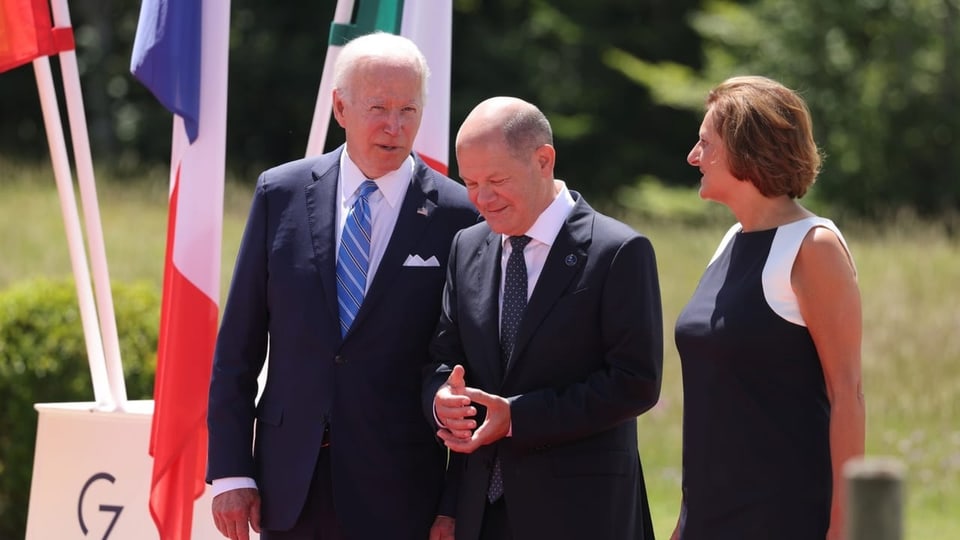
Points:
(243, 531)
(454, 418)
(458, 411)
(454, 434)
(462, 445)
(459, 424)
(231, 527)
(479, 396)
(449, 400)
(255, 515)
(456, 377)
(459, 433)
(218, 521)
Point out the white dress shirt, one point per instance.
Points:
(384, 209)
(385, 205)
(542, 234)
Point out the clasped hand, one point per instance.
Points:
(454, 405)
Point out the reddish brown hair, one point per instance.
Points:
(768, 134)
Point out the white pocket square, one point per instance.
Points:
(416, 260)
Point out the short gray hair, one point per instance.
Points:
(526, 130)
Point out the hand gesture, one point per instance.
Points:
(495, 426)
(453, 408)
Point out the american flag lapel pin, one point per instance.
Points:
(422, 210)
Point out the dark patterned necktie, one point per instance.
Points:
(511, 312)
(514, 296)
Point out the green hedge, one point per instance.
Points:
(43, 359)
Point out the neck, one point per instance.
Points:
(768, 213)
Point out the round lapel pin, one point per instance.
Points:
(570, 260)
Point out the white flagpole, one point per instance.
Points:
(71, 220)
(321, 113)
(91, 211)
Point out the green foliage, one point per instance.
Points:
(43, 358)
(881, 77)
(652, 200)
(607, 132)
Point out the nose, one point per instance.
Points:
(391, 124)
(693, 158)
(484, 195)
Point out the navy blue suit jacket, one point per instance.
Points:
(588, 359)
(387, 465)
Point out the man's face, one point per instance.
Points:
(380, 113)
(509, 192)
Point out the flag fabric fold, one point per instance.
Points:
(170, 48)
(166, 56)
(26, 33)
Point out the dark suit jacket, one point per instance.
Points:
(587, 361)
(387, 465)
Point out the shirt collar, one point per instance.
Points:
(547, 226)
(392, 185)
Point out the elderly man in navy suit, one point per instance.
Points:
(338, 279)
(552, 328)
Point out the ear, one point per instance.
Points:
(338, 106)
(546, 156)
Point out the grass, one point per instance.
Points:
(909, 277)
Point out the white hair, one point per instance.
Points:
(378, 46)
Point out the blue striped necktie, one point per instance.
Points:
(353, 259)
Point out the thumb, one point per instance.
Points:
(456, 377)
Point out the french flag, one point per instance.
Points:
(181, 55)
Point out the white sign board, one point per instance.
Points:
(91, 476)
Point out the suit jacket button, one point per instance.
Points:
(339, 360)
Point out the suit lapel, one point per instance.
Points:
(483, 295)
(416, 212)
(321, 200)
(566, 259)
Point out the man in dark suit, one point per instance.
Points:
(551, 329)
(339, 276)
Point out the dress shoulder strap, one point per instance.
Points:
(777, 286)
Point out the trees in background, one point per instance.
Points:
(882, 78)
(622, 82)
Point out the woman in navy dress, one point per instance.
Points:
(770, 340)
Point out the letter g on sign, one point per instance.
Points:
(103, 507)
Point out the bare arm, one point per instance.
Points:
(825, 283)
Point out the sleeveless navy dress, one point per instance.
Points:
(756, 456)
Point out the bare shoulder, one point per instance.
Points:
(823, 246)
(823, 259)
